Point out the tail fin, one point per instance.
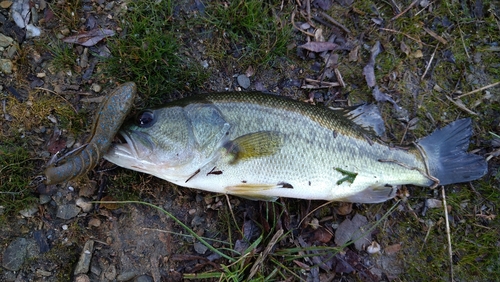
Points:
(446, 155)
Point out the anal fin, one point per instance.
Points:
(251, 191)
(372, 194)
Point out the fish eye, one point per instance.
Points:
(146, 119)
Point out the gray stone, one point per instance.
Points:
(29, 211)
(126, 276)
(200, 248)
(197, 220)
(44, 199)
(6, 66)
(5, 40)
(85, 205)
(67, 211)
(110, 272)
(83, 264)
(143, 278)
(243, 81)
(15, 254)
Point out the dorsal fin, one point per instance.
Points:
(367, 116)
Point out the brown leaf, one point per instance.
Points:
(392, 249)
(56, 143)
(344, 208)
(319, 46)
(90, 38)
(322, 235)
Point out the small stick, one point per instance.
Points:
(479, 89)
(339, 77)
(430, 62)
(308, 10)
(461, 105)
(298, 28)
(435, 35)
(405, 10)
(463, 42)
(323, 83)
(335, 22)
(450, 250)
(263, 255)
(53, 92)
(395, 31)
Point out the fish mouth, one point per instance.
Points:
(131, 145)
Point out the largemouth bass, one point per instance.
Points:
(263, 146)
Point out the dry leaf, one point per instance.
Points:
(392, 249)
(319, 46)
(90, 38)
(369, 69)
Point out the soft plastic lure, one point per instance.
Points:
(108, 121)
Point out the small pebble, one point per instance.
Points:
(64, 227)
(84, 204)
(433, 203)
(6, 66)
(67, 211)
(32, 31)
(126, 276)
(243, 81)
(5, 40)
(96, 87)
(143, 278)
(200, 248)
(110, 272)
(5, 4)
(373, 248)
(94, 222)
(43, 273)
(83, 264)
(29, 211)
(65, 31)
(44, 199)
(82, 278)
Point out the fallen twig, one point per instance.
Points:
(319, 84)
(57, 94)
(450, 250)
(461, 105)
(430, 62)
(478, 90)
(298, 28)
(437, 37)
(326, 16)
(263, 255)
(405, 10)
(396, 31)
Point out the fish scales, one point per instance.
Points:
(263, 146)
(310, 146)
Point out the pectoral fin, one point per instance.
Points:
(254, 145)
(373, 194)
(251, 191)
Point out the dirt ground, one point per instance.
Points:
(431, 59)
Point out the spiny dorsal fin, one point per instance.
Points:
(367, 116)
(254, 145)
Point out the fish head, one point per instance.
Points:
(157, 142)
